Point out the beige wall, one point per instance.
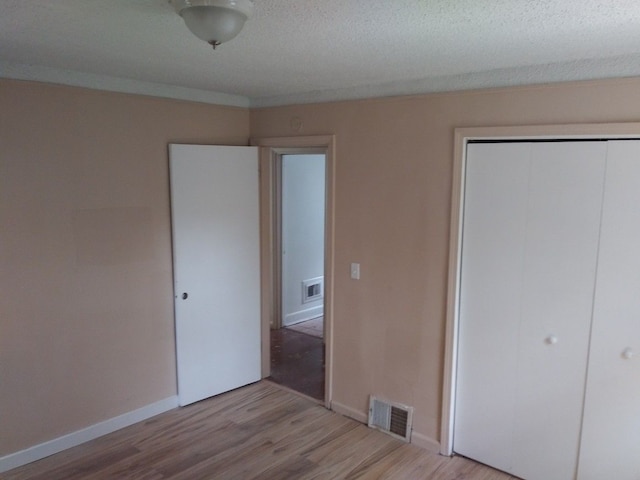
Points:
(86, 307)
(394, 162)
(86, 321)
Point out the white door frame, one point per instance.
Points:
(270, 151)
(461, 138)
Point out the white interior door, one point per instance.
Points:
(215, 220)
(611, 429)
(530, 242)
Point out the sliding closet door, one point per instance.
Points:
(611, 432)
(530, 240)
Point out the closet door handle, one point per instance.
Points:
(627, 353)
(551, 340)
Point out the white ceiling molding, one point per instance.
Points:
(114, 84)
(595, 69)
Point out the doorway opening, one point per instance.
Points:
(297, 263)
(297, 332)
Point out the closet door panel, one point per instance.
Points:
(610, 445)
(492, 250)
(559, 268)
(529, 251)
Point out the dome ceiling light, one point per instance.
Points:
(214, 21)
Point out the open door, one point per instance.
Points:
(216, 253)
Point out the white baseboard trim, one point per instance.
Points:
(73, 439)
(357, 415)
(423, 441)
(303, 315)
(417, 439)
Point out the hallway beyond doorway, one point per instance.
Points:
(297, 360)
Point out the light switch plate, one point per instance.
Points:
(355, 271)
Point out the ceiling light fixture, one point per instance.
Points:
(214, 21)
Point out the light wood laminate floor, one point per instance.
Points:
(256, 432)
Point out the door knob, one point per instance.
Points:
(627, 353)
(185, 295)
(551, 340)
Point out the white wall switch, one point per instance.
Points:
(355, 271)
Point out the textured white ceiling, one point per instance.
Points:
(294, 51)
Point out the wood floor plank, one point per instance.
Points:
(406, 462)
(422, 467)
(288, 448)
(253, 433)
(82, 470)
(460, 467)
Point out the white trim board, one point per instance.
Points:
(461, 138)
(347, 411)
(270, 149)
(424, 441)
(36, 73)
(51, 447)
(303, 315)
